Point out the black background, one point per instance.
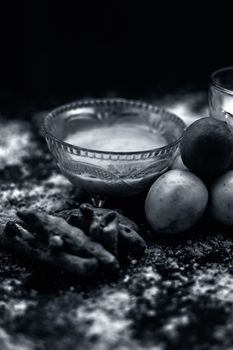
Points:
(55, 52)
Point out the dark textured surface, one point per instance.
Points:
(178, 296)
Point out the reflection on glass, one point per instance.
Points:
(221, 95)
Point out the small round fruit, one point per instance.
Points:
(221, 199)
(207, 147)
(175, 202)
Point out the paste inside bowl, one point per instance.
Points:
(113, 146)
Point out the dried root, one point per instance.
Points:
(62, 244)
(116, 232)
(52, 241)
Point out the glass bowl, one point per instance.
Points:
(112, 173)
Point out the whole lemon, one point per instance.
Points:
(175, 202)
(207, 147)
(221, 198)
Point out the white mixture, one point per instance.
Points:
(121, 137)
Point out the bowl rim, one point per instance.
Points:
(110, 102)
(218, 86)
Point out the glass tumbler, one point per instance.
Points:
(221, 94)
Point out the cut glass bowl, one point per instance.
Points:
(112, 173)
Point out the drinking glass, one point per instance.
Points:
(221, 94)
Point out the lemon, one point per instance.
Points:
(221, 198)
(175, 202)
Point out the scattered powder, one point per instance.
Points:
(8, 342)
(15, 142)
(106, 320)
(149, 274)
(9, 284)
(106, 316)
(58, 180)
(150, 292)
(217, 281)
(171, 328)
(20, 307)
(15, 308)
(104, 328)
(51, 194)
